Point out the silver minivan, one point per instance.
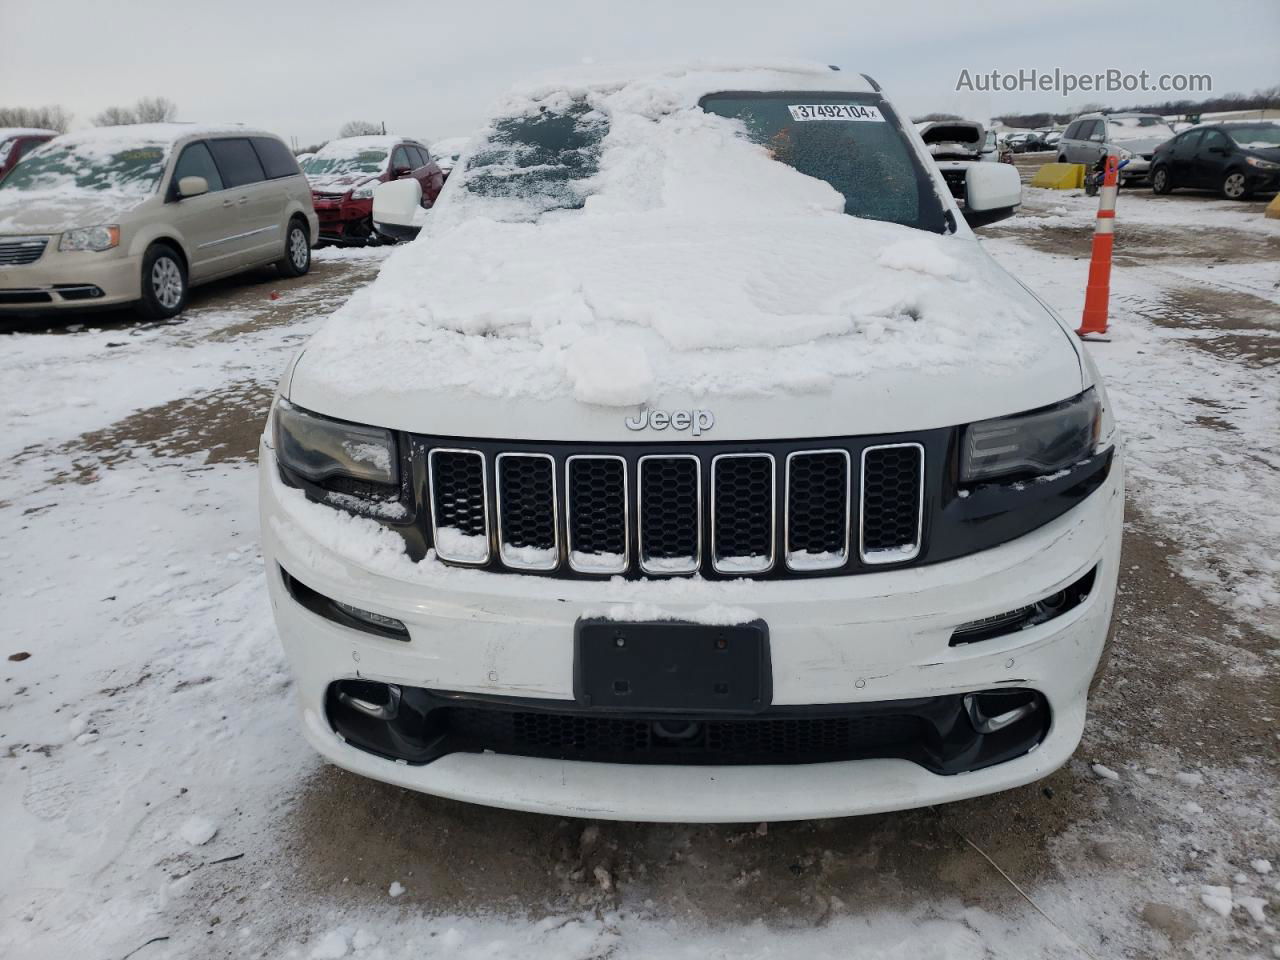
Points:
(1133, 137)
(138, 214)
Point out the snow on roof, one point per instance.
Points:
(353, 146)
(7, 133)
(698, 263)
(107, 139)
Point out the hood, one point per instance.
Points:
(1140, 144)
(839, 327)
(338, 183)
(35, 211)
(1263, 152)
(692, 271)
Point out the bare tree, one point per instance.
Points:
(359, 128)
(46, 118)
(146, 110)
(155, 110)
(115, 117)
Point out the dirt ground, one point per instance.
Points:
(1164, 707)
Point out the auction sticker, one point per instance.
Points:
(834, 111)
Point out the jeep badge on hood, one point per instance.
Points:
(700, 421)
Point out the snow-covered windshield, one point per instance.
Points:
(86, 165)
(1139, 128)
(1256, 137)
(337, 159)
(541, 161)
(851, 141)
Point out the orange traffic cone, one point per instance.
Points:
(1093, 325)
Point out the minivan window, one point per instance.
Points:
(1095, 130)
(1073, 130)
(276, 159)
(237, 161)
(197, 161)
(421, 157)
(851, 141)
(86, 165)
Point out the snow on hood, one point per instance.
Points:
(56, 211)
(698, 266)
(339, 183)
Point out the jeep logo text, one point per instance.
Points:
(699, 421)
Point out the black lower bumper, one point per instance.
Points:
(947, 734)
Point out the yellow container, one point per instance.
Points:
(1059, 176)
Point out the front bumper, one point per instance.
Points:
(838, 640)
(68, 281)
(343, 219)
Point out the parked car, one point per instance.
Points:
(344, 172)
(1026, 141)
(955, 146)
(1133, 137)
(1237, 159)
(15, 142)
(1051, 139)
(139, 214)
(698, 464)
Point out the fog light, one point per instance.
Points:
(368, 616)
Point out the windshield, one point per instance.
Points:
(90, 165)
(851, 141)
(1139, 128)
(344, 162)
(541, 161)
(1258, 137)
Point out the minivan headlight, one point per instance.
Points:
(1036, 443)
(98, 238)
(318, 448)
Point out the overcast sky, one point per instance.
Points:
(431, 69)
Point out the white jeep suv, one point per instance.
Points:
(697, 464)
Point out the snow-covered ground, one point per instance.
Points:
(157, 801)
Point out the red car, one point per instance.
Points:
(344, 172)
(16, 141)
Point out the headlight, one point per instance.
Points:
(317, 448)
(1260, 163)
(1033, 443)
(364, 191)
(91, 238)
(1125, 154)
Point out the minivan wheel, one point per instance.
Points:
(1235, 186)
(1062, 158)
(297, 251)
(164, 283)
(1160, 182)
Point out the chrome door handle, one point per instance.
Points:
(243, 200)
(226, 203)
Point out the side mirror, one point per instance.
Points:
(401, 171)
(992, 191)
(192, 187)
(397, 207)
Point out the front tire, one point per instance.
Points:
(1161, 182)
(1235, 186)
(297, 250)
(164, 283)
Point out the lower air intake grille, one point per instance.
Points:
(747, 740)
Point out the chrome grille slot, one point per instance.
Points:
(17, 251)
(459, 505)
(527, 514)
(743, 511)
(596, 513)
(669, 514)
(817, 509)
(892, 499)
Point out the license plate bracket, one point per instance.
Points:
(666, 666)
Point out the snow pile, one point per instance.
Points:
(685, 258)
